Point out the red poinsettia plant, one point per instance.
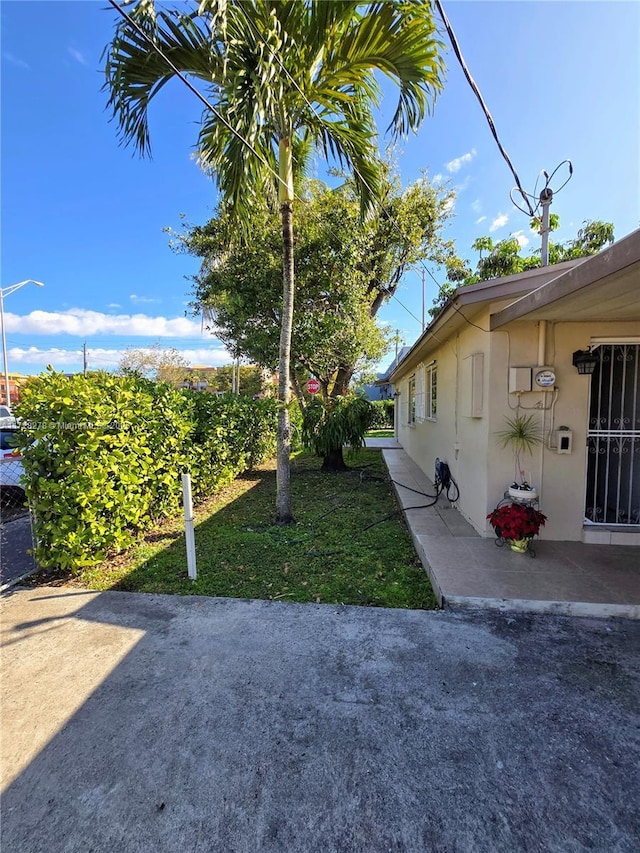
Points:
(516, 521)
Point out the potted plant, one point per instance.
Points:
(516, 524)
(522, 435)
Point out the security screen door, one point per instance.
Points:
(613, 437)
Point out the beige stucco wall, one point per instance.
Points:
(482, 468)
(455, 437)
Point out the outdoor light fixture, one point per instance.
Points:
(585, 361)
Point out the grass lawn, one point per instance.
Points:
(381, 433)
(328, 556)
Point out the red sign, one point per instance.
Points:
(313, 386)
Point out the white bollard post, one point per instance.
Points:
(188, 526)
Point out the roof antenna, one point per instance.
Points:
(543, 202)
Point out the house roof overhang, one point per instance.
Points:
(603, 287)
(468, 302)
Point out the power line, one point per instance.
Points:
(193, 89)
(245, 142)
(476, 91)
(363, 179)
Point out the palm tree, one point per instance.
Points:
(283, 77)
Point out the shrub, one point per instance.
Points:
(383, 414)
(229, 434)
(343, 421)
(103, 454)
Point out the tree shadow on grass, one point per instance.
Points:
(327, 556)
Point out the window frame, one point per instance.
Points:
(431, 391)
(411, 400)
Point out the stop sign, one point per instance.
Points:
(313, 386)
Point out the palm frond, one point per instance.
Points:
(135, 72)
(397, 39)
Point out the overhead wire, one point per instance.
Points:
(218, 115)
(386, 214)
(478, 94)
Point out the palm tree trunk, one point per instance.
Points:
(284, 514)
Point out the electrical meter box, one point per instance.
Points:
(519, 379)
(544, 377)
(564, 440)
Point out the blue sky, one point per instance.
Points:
(86, 216)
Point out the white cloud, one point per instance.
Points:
(500, 220)
(480, 219)
(79, 57)
(456, 164)
(522, 240)
(115, 305)
(83, 323)
(104, 359)
(15, 60)
(448, 205)
(437, 179)
(135, 298)
(476, 205)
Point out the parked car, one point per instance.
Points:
(7, 420)
(11, 469)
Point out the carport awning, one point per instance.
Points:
(601, 288)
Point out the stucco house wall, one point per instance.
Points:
(473, 401)
(559, 478)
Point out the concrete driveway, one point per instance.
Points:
(156, 723)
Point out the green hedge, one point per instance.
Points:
(103, 456)
(383, 417)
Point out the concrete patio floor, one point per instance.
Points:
(467, 570)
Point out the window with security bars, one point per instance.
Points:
(422, 395)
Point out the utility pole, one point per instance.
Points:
(84, 358)
(546, 197)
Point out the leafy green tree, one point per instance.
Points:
(342, 421)
(346, 269)
(222, 380)
(284, 78)
(505, 257)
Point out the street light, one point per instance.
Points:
(7, 291)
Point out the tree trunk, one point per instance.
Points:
(342, 380)
(297, 390)
(333, 462)
(284, 514)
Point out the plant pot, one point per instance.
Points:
(520, 546)
(524, 496)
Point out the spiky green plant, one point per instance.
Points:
(522, 435)
(340, 422)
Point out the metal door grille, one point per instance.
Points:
(613, 438)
